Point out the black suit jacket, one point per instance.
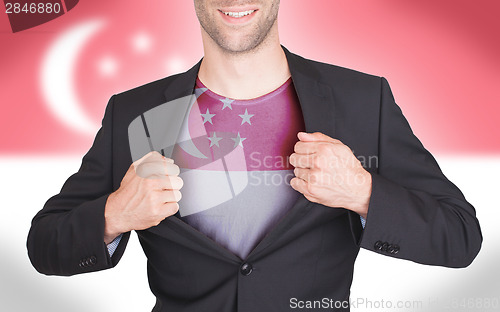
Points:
(415, 213)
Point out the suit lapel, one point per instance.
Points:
(183, 84)
(316, 99)
(317, 105)
(318, 109)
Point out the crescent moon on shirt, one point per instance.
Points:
(57, 77)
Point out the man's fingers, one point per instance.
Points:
(172, 169)
(316, 137)
(302, 161)
(172, 183)
(152, 156)
(301, 173)
(157, 169)
(170, 196)
(298, 184)
(313, 147)
(301, 186)
(171, 208)
(311, 176)
(303, 147)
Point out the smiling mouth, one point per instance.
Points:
(239, 14)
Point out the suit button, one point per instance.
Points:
(395, 249)
(83, 263)
(246, 269)
(378, 245)
(384, 246)
(390, 249)
(93, 260)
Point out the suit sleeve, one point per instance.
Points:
(415, 212)
(67, 236)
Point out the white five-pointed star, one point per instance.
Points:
(199, 91)
(214, 140)
(227, 103)
(238, 140)
(207, 117)
(246, 117)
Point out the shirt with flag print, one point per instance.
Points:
(235, 165)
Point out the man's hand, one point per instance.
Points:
(327, 172)
(148, 193)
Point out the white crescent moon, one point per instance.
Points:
(57, 77)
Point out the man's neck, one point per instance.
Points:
(244, 76)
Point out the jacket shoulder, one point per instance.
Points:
(134, 102)
(339, 75)
(149, 90)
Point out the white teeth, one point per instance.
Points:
(239, 14)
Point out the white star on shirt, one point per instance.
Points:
(199, 91)
(246, 117)
(227, 103)
(207, 117)
(238, 140)
(214, 140)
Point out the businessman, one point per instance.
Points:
(217, 237)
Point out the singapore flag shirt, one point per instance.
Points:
(234, 160)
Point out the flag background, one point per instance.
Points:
(440, 57)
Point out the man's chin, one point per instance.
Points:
(240, 46)
(239, 50)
